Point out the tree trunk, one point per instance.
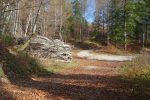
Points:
(22, 47)
(125, 25)
(61, 21)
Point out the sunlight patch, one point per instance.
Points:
(90, 67)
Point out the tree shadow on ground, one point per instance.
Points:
(4, 94)
(72, 86)
(19, 64)
(88, 87)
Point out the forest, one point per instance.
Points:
(74, 49)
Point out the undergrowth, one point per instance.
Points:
(20, 65)
(138, 68)
(25, 66)
(1, 72)
(87, 44)
(7, 39)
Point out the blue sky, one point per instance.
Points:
(89, 14)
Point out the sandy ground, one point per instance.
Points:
(90, 55)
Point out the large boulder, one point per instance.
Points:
(43, 47)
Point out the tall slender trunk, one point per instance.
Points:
(44, 24)
(27, 24)
(103, 30)
(17, 19)
(36, 19)
(143, 43)
(22, 47)
(6, 18)
(108, 28)
(61, 21)
(55, 22)
(146, 32)
(125, 25)
(80, 38)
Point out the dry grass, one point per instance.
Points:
(1, 72)
(87, 44)
(56, 66)
(111, 49)
(139, 68)
(92, 44)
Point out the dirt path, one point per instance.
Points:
(90, 80)
(89, 54)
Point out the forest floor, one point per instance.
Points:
(88, 80)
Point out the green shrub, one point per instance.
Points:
(1, 72)
(32, 65)
(7, 39)
(18, 69)
(23, 65)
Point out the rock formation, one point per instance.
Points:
(43, 47)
